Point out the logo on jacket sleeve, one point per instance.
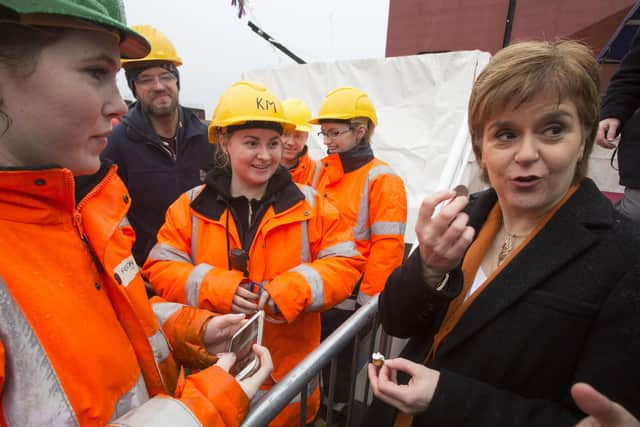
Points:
(126, 271)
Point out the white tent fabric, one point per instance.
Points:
(421, 103)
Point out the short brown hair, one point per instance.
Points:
(519, 73)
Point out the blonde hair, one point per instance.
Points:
(367, 123)
(523, 71)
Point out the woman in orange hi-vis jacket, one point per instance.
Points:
(368, 193)
(80, 344)
(295, 154)
(251, 239)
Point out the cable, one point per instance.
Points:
(275, 43)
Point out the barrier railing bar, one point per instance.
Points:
(352, 376)
(303, 407)
(280, 395)
(333, 372)
(372, 345)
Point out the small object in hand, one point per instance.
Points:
(238, 259)
(377, 359)
(461, 190)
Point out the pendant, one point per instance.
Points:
(506, 249)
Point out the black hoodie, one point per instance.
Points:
(153, 176)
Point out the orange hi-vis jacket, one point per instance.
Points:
(306, 171)
(373, 200)
(80, 344)
(303, 254)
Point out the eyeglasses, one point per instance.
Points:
(165, 79)
(334, 133)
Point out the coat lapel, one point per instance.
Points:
(562, 239)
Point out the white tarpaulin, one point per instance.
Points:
(421, 102)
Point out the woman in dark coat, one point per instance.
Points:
(520, 291)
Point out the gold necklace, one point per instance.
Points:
(507, 245)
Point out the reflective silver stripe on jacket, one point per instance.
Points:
(309, 195)
(194, 281)
(363, 298)
(305, 249)
(159, 345)
(32, 393)
(315, 282)
(388, 227)
(158, 341)
(194, 237)
(360, 229)
(343, 249)
(164, 310)
(164, 252)
(192, 193)
(124, 223)
(161, 411)
(311, 386)
(348, 304)
(135, 397)
(316, 173)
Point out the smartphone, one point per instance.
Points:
(242, 345)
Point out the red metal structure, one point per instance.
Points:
(419, 26)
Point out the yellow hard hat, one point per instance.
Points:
(298, 112)
(346, 103)
(247, 101)
(161, 48)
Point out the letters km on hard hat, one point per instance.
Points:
(247, 101)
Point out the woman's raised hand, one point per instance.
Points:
(445, 237)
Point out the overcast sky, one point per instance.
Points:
(216, 46)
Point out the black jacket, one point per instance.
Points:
(565, 309)
(153, 177)
(621, 101)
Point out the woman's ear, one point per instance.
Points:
(224, 142)
(582, 147)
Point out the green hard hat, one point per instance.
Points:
(56, 13)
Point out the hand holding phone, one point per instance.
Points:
(242, 345)
(252, 384)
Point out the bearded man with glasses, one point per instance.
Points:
(160, 147)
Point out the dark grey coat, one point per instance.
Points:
(152, 175)
(620, 101)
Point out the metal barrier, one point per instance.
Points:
(296, 380)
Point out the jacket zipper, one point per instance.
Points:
(164, 150)
(77, 219)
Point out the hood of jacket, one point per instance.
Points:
(139, 128)
(281, 192)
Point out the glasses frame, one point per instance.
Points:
(164, 79)
(334, 133)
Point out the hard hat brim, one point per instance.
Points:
(36, 13)
(287, 126)
(337, 117)
(303, 128)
